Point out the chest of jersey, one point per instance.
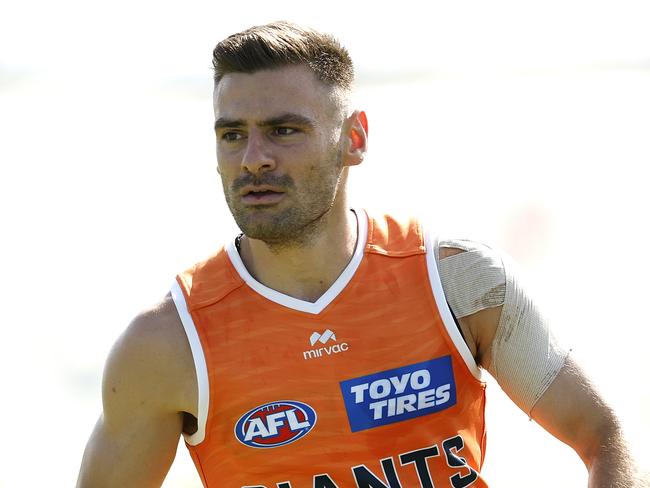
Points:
(369, 392)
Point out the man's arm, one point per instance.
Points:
(574, 411)
(571, 408)
(145, 389)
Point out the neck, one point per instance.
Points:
(305, 270)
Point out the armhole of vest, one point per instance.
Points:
(200, 365)
(445, 312)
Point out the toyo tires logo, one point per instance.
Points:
(275, 424)
(399, 394)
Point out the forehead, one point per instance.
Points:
(264, 94)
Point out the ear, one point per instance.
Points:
(356, 134)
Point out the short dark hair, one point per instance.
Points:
(283, 44)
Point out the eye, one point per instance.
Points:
(231, 136)
(284, 131)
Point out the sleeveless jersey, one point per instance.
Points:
(371, 386)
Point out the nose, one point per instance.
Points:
(257, 157)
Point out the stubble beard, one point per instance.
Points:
(301, 221)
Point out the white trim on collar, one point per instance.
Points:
(290, 302)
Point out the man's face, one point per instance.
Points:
(278, 150)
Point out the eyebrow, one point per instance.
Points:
(284, 119)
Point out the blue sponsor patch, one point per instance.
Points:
(399, 394)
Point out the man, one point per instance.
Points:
(325, 347)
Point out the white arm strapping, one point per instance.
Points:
(526, 357)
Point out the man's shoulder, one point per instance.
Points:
(156, 329)
(152, 360)
(393, 233)
(209, 280)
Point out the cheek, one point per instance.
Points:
(222, 157)
(229, 151)
(226, 173)
(227, 162)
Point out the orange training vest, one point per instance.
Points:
(368, 387)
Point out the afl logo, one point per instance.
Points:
(275, 424)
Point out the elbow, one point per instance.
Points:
(600, 439)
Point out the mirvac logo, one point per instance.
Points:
(399, 394)
(326, 350)
(275, 424)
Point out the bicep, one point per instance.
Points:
(503, 326)
(134, 441)
(515, 343)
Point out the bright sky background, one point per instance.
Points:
(522, 124)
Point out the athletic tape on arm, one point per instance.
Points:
(526, 357)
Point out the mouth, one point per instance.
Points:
(261, 195)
